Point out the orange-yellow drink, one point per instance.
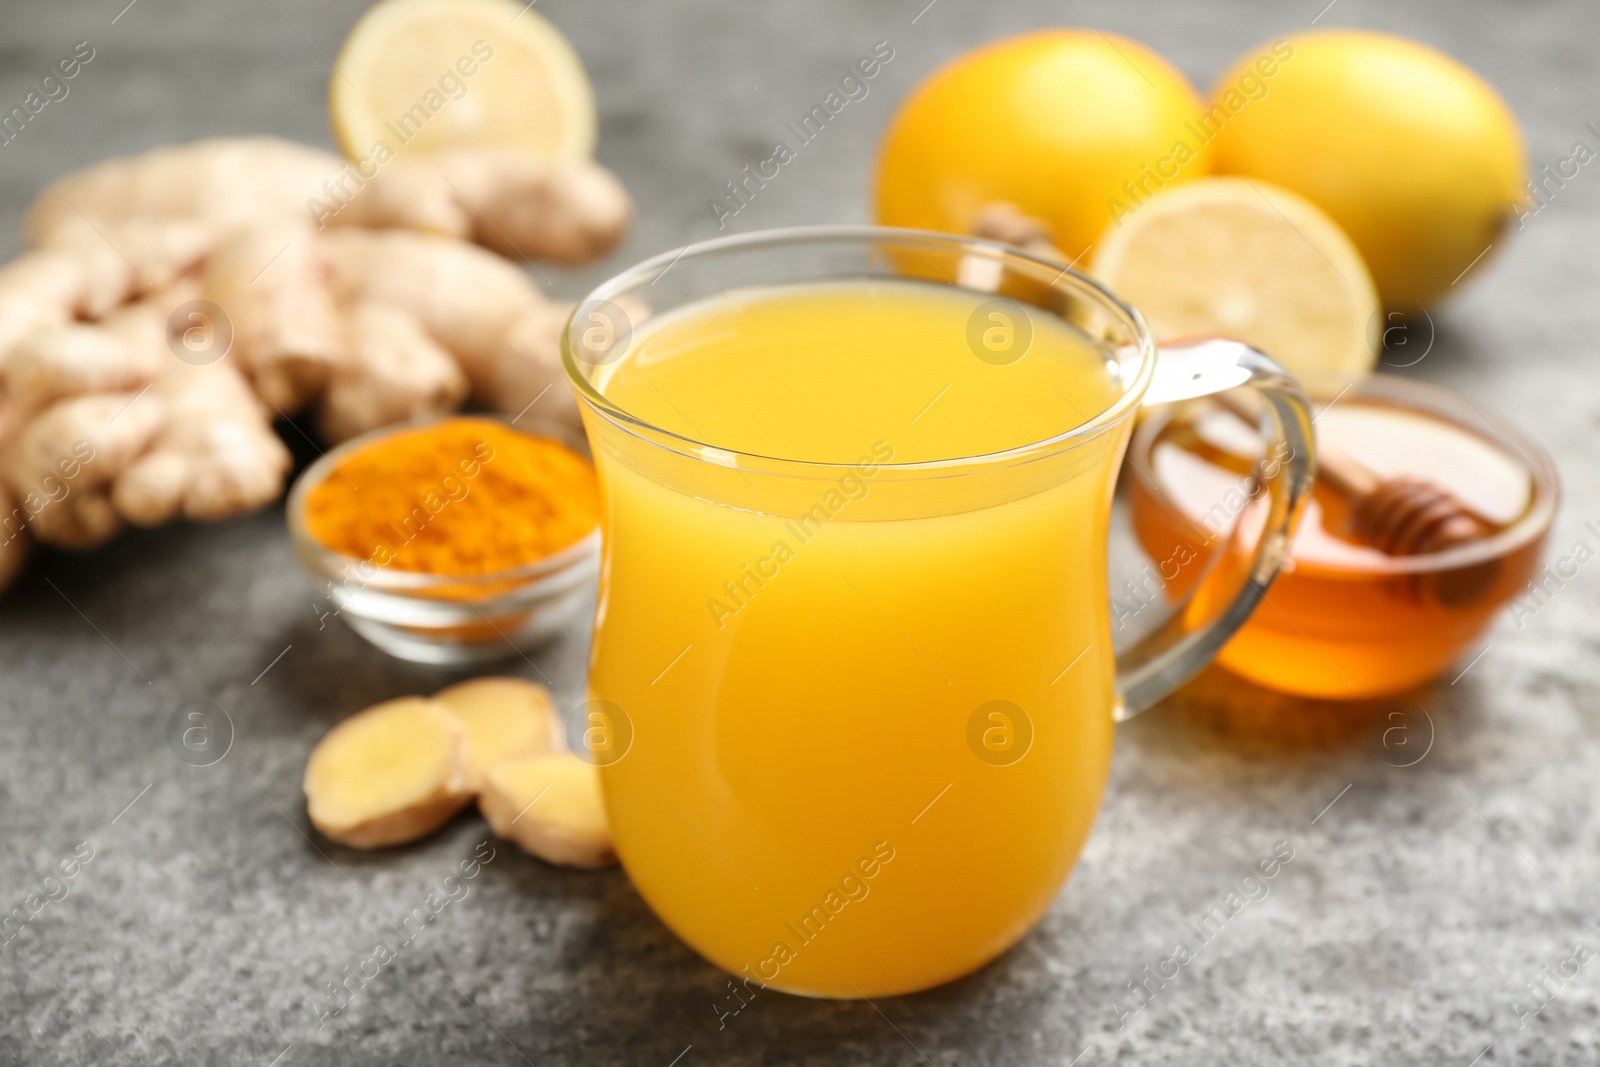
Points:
(859, 712)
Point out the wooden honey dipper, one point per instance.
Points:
(1398, 516)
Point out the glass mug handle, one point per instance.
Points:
(1182, 645)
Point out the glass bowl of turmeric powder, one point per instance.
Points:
(455, 540)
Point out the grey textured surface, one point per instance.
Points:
(1414, 911)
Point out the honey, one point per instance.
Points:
(1345, 620)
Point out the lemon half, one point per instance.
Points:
(1239, 258)
(422, 76)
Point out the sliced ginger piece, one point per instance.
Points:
(504, 718)
(389, 774)
(551, 806)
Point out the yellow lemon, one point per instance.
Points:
(1411, 153)
(1069, 125)
(1240, 258)
(419, 76)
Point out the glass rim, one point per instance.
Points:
(1111, 416)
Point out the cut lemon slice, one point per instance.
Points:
(417, 77)
(1240, 258)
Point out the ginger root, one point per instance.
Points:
(271, 283)
(503, 334)
(61, 465)
(37, 290)
(222, 183)
(387, 775)
(551, 806)
(373, 311)
(391, 371)
(77, 357)
(174, 440)
(131, 225)
(504, 718)
(215, 456)
(15, 543)
(509, 201)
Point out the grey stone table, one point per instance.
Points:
(1420, 900)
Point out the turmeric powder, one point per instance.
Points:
(463, 496)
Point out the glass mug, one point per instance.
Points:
(871, 770)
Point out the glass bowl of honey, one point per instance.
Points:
(1345, 620)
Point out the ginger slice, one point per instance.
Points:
(551, 806)
(504, 718)
(389, 774)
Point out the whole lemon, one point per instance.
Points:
(1411, 153)
(1068, 125)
